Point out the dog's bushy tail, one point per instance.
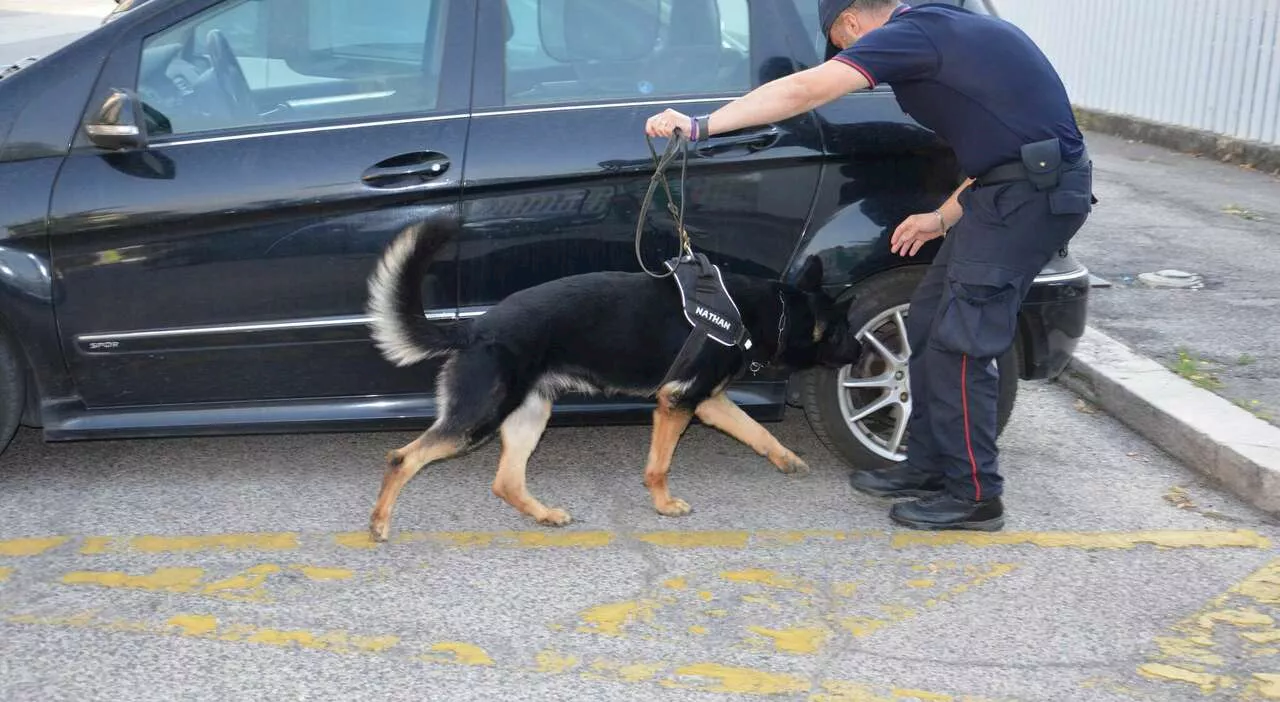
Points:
(399, 328)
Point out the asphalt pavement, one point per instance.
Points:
(238, 568)
(1160, 209)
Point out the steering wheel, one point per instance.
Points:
(229, 75)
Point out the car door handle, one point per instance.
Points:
(751, 141)
(406, 170)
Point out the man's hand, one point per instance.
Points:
(665, 124)
(914, 232)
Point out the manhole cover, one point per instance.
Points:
(1171, 278)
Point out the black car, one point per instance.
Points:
(193, 195)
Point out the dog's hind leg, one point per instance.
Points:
(402, 465)
(520, 434)
(669, 422)
(720, 412)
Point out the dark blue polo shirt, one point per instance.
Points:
(977, 81)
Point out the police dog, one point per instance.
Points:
(612, 333)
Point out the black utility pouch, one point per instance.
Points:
(1043, 161)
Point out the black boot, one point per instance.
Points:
(901, 480)
(947, 512)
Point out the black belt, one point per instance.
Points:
(1015, 171)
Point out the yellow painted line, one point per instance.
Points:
(5, 573)
(696, 539)
(1266, 686)
(610, 619)
(31, 546)
(315, 573)
(711, 539)
(802, 640)
(975, 576)
(705, 676)
(1194, 651)
(742, 681)
(457, 652)
(203, 626)
(189, 544)
(485, 539)
(160, 580)
(1241, 538)
(248, 585)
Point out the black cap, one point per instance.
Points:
(828, 11)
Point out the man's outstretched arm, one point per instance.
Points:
(774, 101)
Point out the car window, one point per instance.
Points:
(808, 11)
(244, 63)
(589, 50)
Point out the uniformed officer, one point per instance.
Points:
(985, 88)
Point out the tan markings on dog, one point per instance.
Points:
(720, 412)
(668, 424)
(520, 434)
(402, 465)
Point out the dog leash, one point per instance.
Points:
(678, 145)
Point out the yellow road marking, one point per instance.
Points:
(696, 539)
(315, 573)
(458, 652)
(736, 540)
(484, 539)
(160, 580)
(203, 626)
(975, 576)
(736, 680)
(31, 546)
(1266, 686)
(248, 585)
(1196, 648)
(186, 544)
(552, 662)
(1086, 540)
(766, 577)
(609, 619)
(5, 573)
(801, 640)
(699, 676)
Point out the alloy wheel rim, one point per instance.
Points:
(875, 392)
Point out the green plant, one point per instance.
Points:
(1192, 368)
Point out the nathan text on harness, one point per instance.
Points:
(708, 307)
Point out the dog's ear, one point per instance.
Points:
(810, 278)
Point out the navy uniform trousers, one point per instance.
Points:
(964, 315)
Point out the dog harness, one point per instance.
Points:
(708, 308)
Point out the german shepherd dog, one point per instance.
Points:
(612, 333)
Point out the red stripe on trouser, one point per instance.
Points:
(968, 442)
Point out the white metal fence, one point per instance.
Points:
(1211, 65)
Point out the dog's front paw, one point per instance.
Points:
(378, 531)
(674, 508)
(555, 517)
(790, 464)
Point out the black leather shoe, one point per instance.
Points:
(901, 480)
(947, 512)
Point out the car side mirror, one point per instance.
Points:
(119, 123)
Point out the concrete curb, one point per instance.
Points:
(1206, 432)
(1254, 154)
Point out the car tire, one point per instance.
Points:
(12, 391)
(880, 308)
